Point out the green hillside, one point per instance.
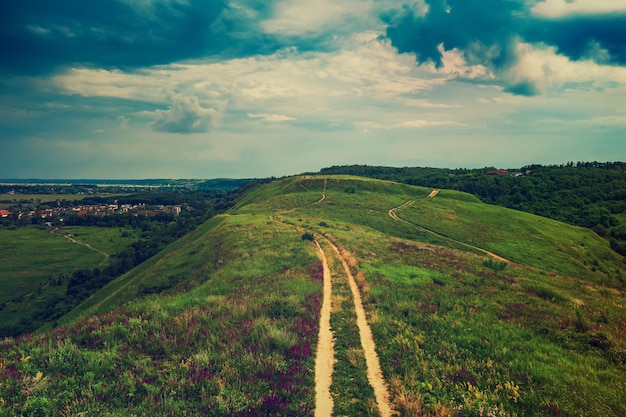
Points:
(475, 310)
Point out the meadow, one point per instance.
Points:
(224, 321)
(34, 260)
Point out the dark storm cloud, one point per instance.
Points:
(39, 36)
(487, 32)
(576, 36)
(462, 24)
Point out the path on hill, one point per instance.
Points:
(308, 204)
(323, 193)
(374, 372)
(87, 245)
(393, 214)
(325, 358)
(432, 193)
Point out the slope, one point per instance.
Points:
(225, 321)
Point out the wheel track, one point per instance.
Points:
(374, 371)
(324, 361)
(325, 357)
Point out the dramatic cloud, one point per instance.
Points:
(202, 88)
(38, 36)
(560, 8)
(185, 115)
(490, 35)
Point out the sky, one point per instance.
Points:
(257, 88)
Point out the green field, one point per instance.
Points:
(224, 321)
(34, 258)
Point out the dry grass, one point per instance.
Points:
(407, 403)
(361, 282)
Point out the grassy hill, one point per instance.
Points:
(476, 310)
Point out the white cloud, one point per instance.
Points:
(185, 115)
(548, 70)
(147, 85)
(408, 124)
(271, 117)
(334, 87)
(559, 8)
(418, 124)
(306, 17)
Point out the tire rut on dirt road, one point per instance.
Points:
(325, 360)
(325, 357)
(374, 371)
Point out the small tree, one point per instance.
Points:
(308, 236)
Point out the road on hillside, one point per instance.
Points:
(393, 214)
(325, 360)
(87, 245)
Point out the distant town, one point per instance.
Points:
(94, 209)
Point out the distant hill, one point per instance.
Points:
(474, 309)
(588, 194)
(211, 184)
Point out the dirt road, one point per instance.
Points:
(325, 360)
(392, 212)
(87, 245)
(393, 215)
(374, 372)
(432, 193)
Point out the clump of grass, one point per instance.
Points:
(547, 293)
(495, 265)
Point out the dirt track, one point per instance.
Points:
(374, 372)
(87, 245)
(325, 358)
(393, 215)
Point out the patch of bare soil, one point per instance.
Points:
(433, 193)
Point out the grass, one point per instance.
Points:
(239, 342)
(505, 343)
(520, 237)
(234, 332)
(34, 259)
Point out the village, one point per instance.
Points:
(47, 214)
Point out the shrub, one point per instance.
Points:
(308, 236)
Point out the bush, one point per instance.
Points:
(308, 236)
